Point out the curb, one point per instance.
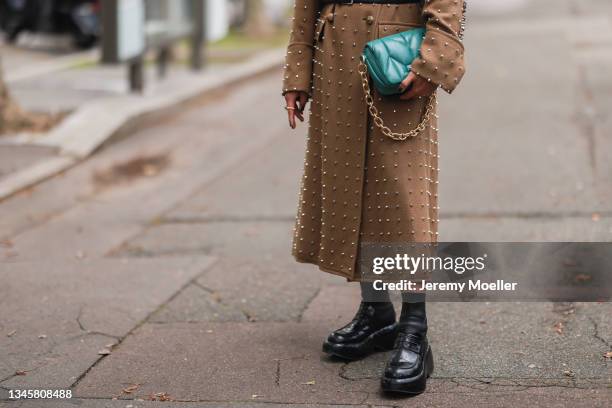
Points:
(79, 135)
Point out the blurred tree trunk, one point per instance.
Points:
(10, 113)
(6, 102)
(257, 24)
(14, 119)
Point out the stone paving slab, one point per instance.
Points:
(249, 238)
(591, 227)
(516, 342)
(54, 328)
(92, 403)
(197, 157)
(14, 158)
(529, 349)
(115, 213)
(596, 119)
(333, 306)
(518, 150)
(256, 239)
(282, 363)
(264, 290)
(198, 304)
(240, 289)
(263, 187)
(534, 397)
(255, 276)
(222, 361)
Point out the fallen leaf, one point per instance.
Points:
(20, 372)
(608, 354)
(149, 170)
(568, 373)
(42, 336)
(6, 243)
(131, 388)
(11, 334)
(161, 396)
(559, 327)
(582, 277)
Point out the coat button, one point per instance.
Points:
(330, 17)
(370, 19)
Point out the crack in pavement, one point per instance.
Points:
(488, 384)
(596, 333)
(87, 331)
(139, 324)
(308, 303)
(342, 373)
(494, 382)
(520, 385)
(10, 377)
(51, 350)
(131, 251)
(219, 300)
(516, 384)
(278, 373)
(250, 401)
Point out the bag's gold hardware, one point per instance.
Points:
(431, 105)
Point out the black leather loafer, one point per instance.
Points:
(372, 329)
(410, 365)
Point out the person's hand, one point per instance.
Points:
(414, 86)
(295, 104)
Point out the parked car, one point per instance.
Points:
(79, 18)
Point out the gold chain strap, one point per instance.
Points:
(431, 105)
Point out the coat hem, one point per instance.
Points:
(325, 268)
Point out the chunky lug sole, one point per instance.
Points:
(380, 340)
(413, 385)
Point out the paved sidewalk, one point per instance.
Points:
(159, 269)
(98, 104)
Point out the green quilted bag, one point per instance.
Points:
(388, 61)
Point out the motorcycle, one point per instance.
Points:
(78, 18)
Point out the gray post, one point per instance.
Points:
(198, 58)
(163, 57)
(137, 75)
(109, 34)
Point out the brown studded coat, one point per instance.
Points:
(359, 186)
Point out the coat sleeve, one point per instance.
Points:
(299, 59)
(441, 59)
